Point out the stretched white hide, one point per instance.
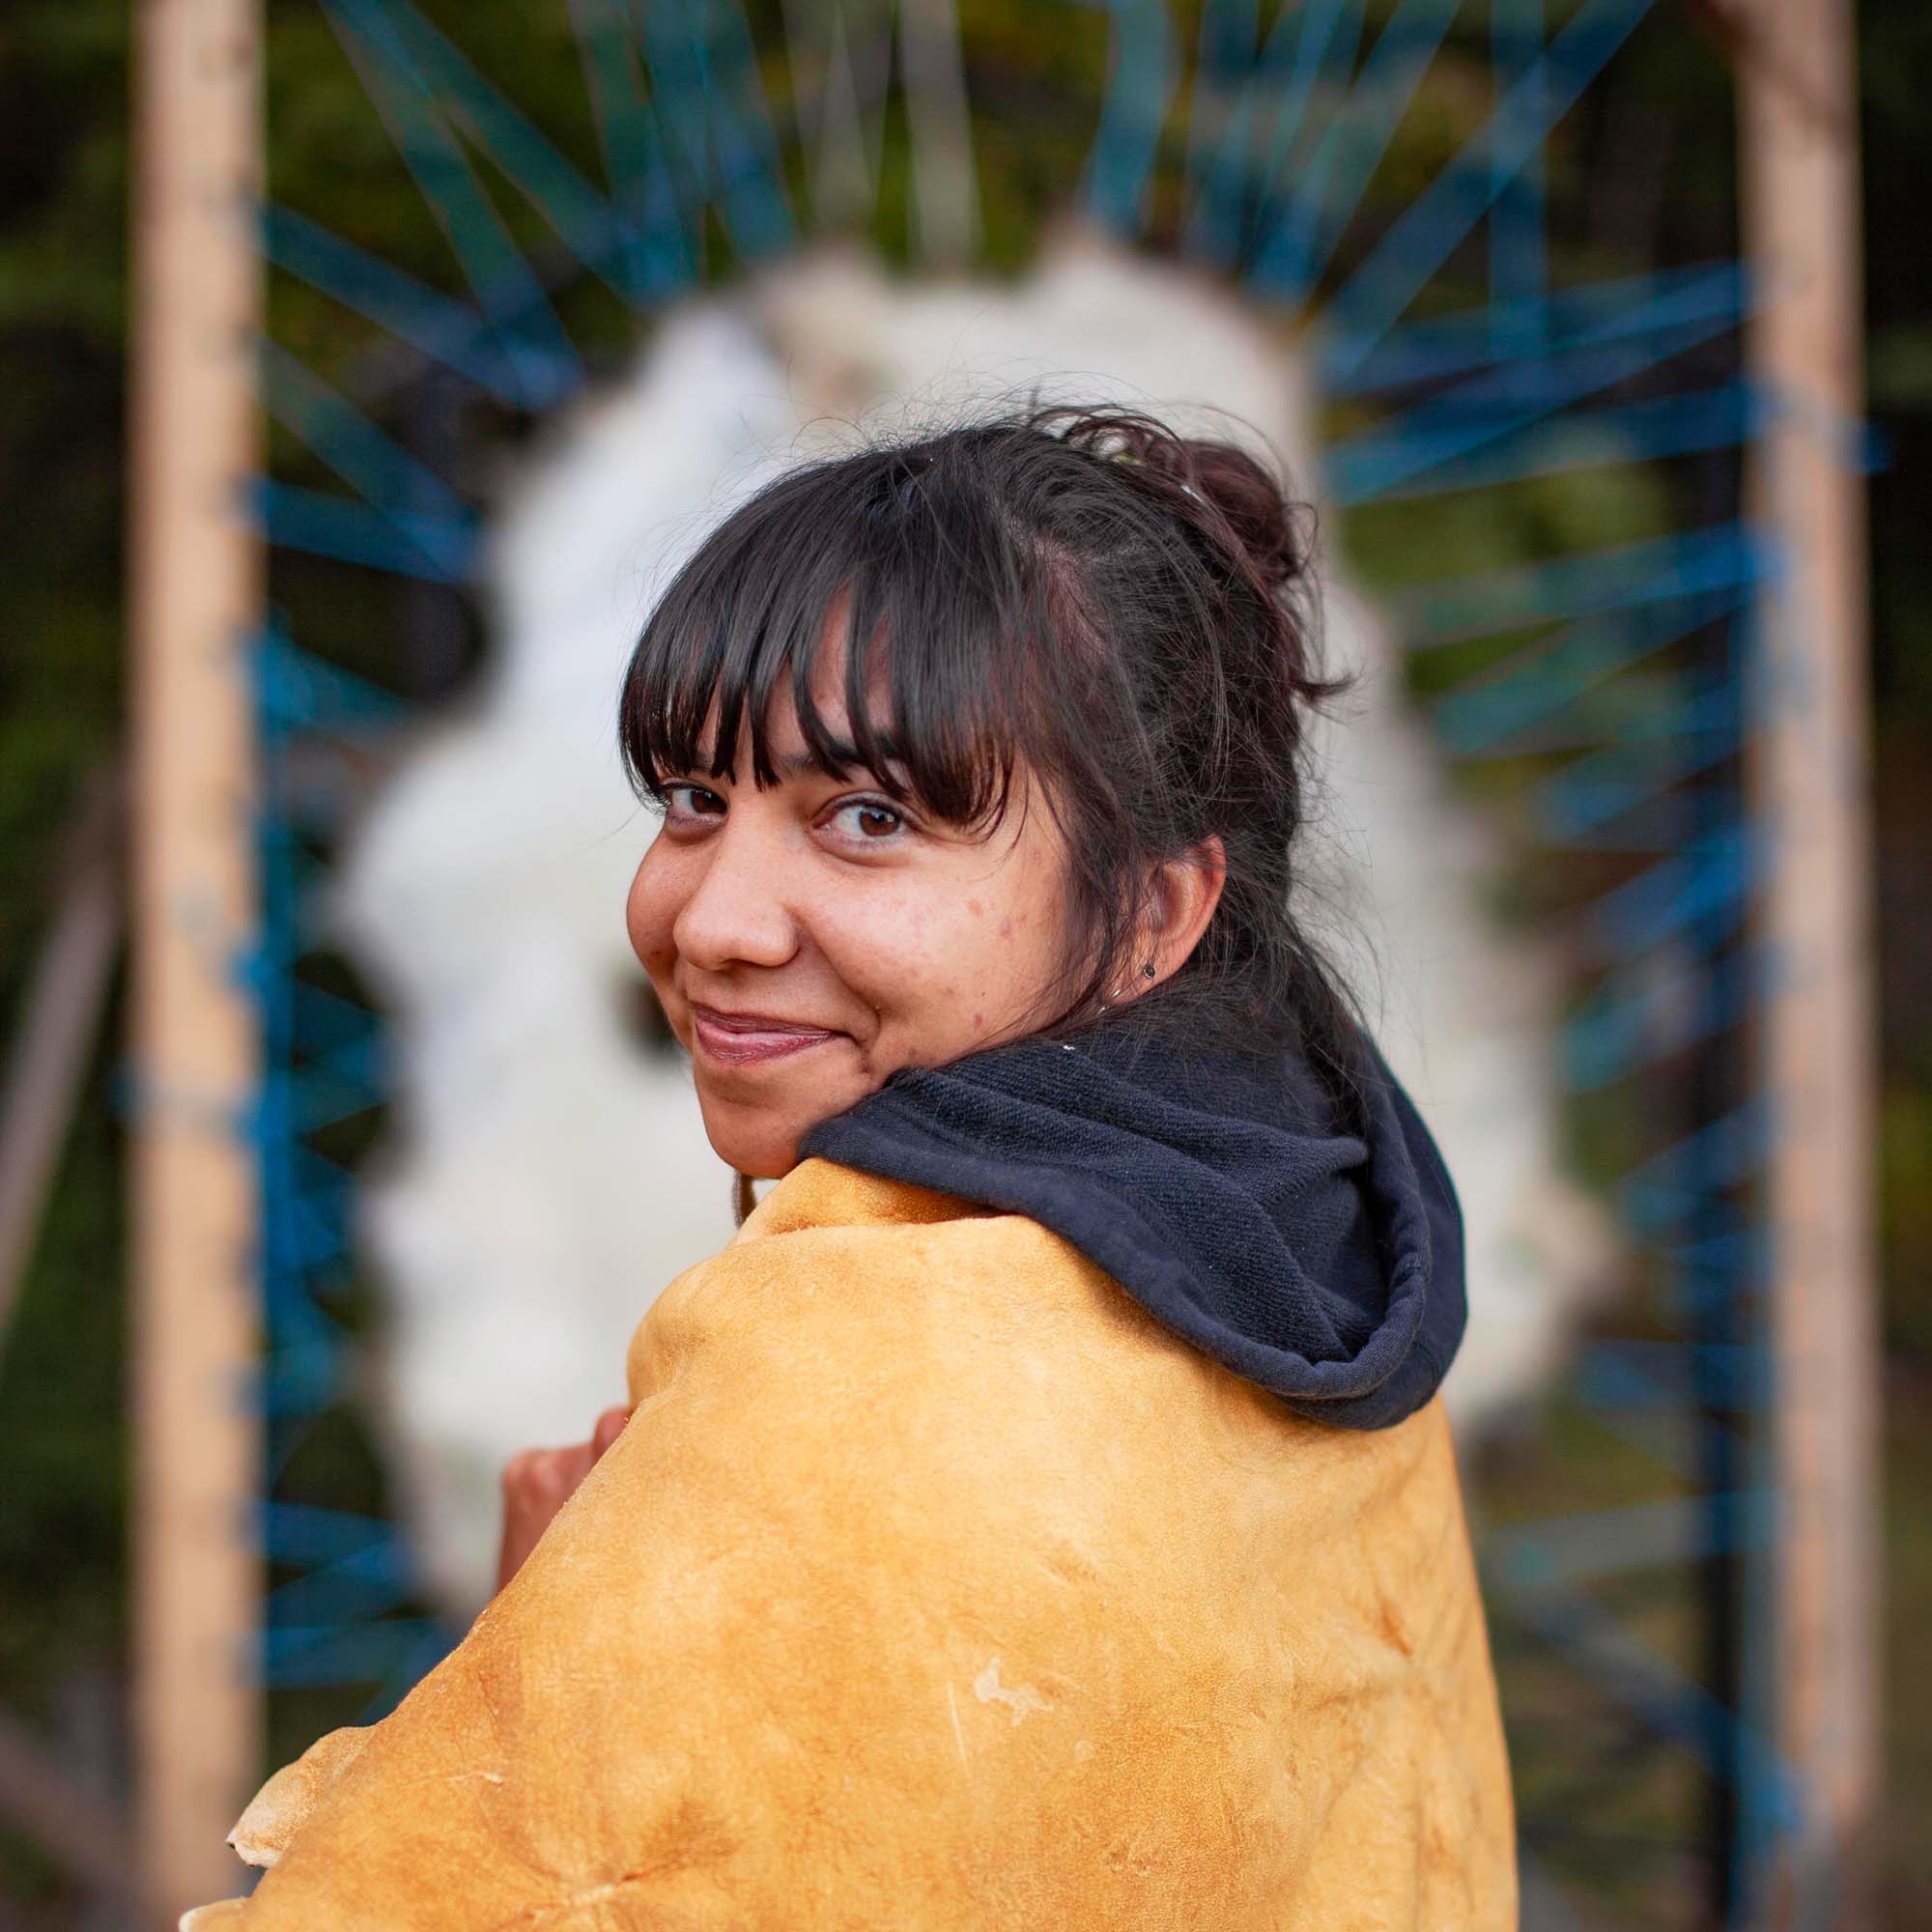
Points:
(547, 1171)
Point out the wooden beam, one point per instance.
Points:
(53, 1046)
(1799, 189)
(195, 600)
(84, 1833)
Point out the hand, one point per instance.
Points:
(539, 1481)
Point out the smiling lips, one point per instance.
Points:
(741, 1039)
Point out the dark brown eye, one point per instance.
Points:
(874, 821)
(684, 800)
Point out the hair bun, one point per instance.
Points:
(1220, 489)
(1250, 503)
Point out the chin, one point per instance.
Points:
(749, 1139)
(755, 1120)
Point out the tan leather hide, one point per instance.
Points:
(934, 1585)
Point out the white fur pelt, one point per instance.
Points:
(547, 1171)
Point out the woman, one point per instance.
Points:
(1042, 1512)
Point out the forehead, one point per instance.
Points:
(784, 731)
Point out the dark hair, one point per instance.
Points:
(1129, 613)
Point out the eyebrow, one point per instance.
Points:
(804, 764)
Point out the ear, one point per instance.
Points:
(1185, 892)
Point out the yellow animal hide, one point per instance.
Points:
(935, 1586)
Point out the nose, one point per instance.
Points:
(738, 912)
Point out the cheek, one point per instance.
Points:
(941, 966)
(650, 910)
(1026, 932)
(885, 941)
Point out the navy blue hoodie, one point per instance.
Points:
(1219, 1189)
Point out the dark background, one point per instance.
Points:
(1641, 173)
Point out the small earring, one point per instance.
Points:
(1147, 969)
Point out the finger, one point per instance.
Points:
(518, 1539)
(610, 1425)
(536, 1484)
(540, 1477)
(565, 1468)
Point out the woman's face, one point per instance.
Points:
(809, 939)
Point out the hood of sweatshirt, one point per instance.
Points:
(1219, 1189)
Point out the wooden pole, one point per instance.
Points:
(79, 1829)
(195, 597)
(1800, 209)
(49, 1066)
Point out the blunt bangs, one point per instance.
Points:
(1126, 617)
(940, 628)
